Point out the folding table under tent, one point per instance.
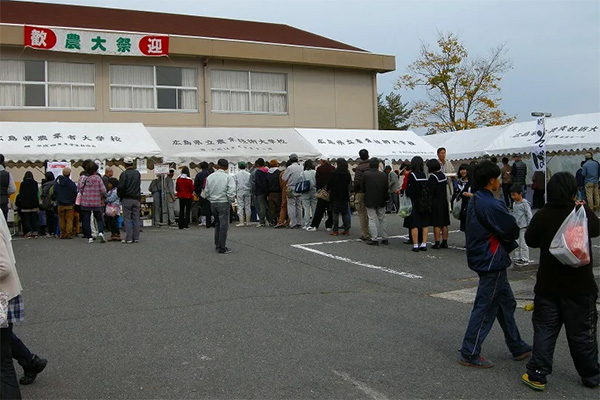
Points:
(383, 144)
(27, 143)
(196, 144)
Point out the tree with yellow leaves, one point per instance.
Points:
(462, 92)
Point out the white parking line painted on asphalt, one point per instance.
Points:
(360, 263)
(364, 388)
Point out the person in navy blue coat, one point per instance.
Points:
(490, 237)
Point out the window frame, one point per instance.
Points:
(47, 84)
(250, 92)
(154, 88)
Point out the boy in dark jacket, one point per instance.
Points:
(490, 235)
(374, 184)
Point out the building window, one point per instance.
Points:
(46, 84)
(153, 88)
(248, 92)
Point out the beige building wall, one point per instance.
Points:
(318, 97)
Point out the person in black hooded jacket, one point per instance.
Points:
(563, 295)
(29, 204)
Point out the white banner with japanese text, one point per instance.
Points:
(538, 148)
(95, 42)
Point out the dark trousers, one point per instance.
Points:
(263, 207)
(274, 207)
(345, 221)
(50, 222)
(538, 198)
(580, 318)
(30, 222)
(185, 208)
(494, 300)
(322, 206)
(204, 209)
(506, 194)
(221, 214)
(9, 386)
(112, 223)
(86, 217)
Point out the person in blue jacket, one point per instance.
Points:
(490, 237)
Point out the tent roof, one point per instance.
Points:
(573, 133)
(346, 143)
(74, 141)
(196, 144)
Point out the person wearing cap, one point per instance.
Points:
(220, 191)
(291, 176)
(129, 191)
(243, 194)
(359, 195)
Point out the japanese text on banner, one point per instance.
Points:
(538, 150)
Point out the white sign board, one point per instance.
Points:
(142, 166)
(161, 169)
(56, 167)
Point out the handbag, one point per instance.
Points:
(323, 194)
(3, 310)
(457, 208)
(77, 206)
(405, 208)
(112, 210)
(302, 186)
(570, 244)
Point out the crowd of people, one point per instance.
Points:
(296, 195)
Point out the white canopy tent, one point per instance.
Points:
(35, 142)
(570, 134)
(573, 133)
(346, 143)
(195, 144)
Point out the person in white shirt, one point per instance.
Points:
(243, 194)
(220, 191)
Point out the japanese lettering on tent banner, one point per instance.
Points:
(230, 143)
(95, 42)
(538, 149)
(561, 132)
(60, 140)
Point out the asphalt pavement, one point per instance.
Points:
(289, 314)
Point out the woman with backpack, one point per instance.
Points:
(417, 189)
(440, 215)
(48, 205)
(463, 192)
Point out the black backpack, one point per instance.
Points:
(273, 181)
(423, 196)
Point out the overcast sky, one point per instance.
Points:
(554, 44)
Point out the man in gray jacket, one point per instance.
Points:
(129, 191)
(374, 185)
(220, 191)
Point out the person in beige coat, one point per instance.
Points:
(11, 346)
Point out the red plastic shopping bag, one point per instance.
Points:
(571, 244)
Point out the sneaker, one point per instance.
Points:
(136, 241)
(479, 363)
(101, 236)
(535, 385)
(373, 243)
(408, 241)
(522, 356)
(333, 233)
(345, 232)
(328, 229)
(311, 229)
(385, 241)
(91, 240)
(240, 224)
(278, 226)
(224, 250)
(37, 366)
(365, 238)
